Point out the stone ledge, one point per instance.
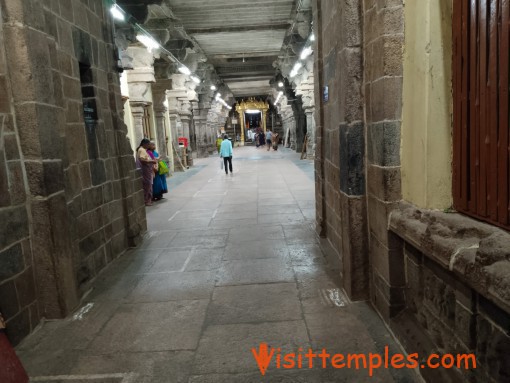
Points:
(478, 253)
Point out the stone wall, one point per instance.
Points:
(75, 200)
(18, 301)
(456, 296)
(383, 56)
(340, 147)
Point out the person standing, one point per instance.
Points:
(218, 142)
(226, 153)
(146, 164)
(159, 185)
(262, 139)
(276, 141)
(269, 136)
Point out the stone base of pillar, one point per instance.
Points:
(202, 152)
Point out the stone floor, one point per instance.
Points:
(228, 262)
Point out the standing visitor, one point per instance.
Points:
(218, 142)
(159, 185)
(269, 136)
(276, 141)
(146, 164)
(226, 153)
(262, 139)
(256, 139)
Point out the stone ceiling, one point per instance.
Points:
(242, 39)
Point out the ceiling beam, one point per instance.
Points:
(239, 28)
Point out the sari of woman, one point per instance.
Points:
(146, 164)
(159, 185)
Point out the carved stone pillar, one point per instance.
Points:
(160, 116)
(310, 124)
(292, 131)
(137, 111)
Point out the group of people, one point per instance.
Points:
(153, 172)
(270, 139)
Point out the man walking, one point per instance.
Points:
(269, 136)
(226, 154)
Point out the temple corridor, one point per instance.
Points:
(228, 262)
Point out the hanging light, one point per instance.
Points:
(196, 79)
(297, 67)
(184, 70)
(280, 84)
(312, 37)
(117, 12)
(218, 95)
(148, 41)
(213, 87)
(306, 52)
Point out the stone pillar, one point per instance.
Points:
(137, 111)
(201, 134)
(241, 117)
(292, 132)
(160, 116)
(264, 125)
(310, 124)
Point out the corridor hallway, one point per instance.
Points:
(228, 262)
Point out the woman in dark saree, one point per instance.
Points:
(146, 164)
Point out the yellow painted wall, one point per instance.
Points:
(426, 148)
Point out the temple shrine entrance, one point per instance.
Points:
(252, 117)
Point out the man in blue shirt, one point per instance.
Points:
(226, 154)
(269, 137)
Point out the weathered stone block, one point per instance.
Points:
(384, 183)
(11, 261)
(352, 156)
(388, 263)
(354, 246)
(98, 173)
(9, 299)
(386, 97)
(5, 104)
(13, 225)
(25, 286)
(16, 182)
(82, 46)
(384, 143)
(44, 178)
(493, 349)
(18, 327)
(5, 197)
(378, 213)
(11, 147)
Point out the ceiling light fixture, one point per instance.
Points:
(213, 87)
(312, 37)
(117, 12)
(280, 84)
(148, 41)
(184, 70)
(306, 52)
(196, 79)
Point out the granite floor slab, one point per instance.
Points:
(229, 263)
